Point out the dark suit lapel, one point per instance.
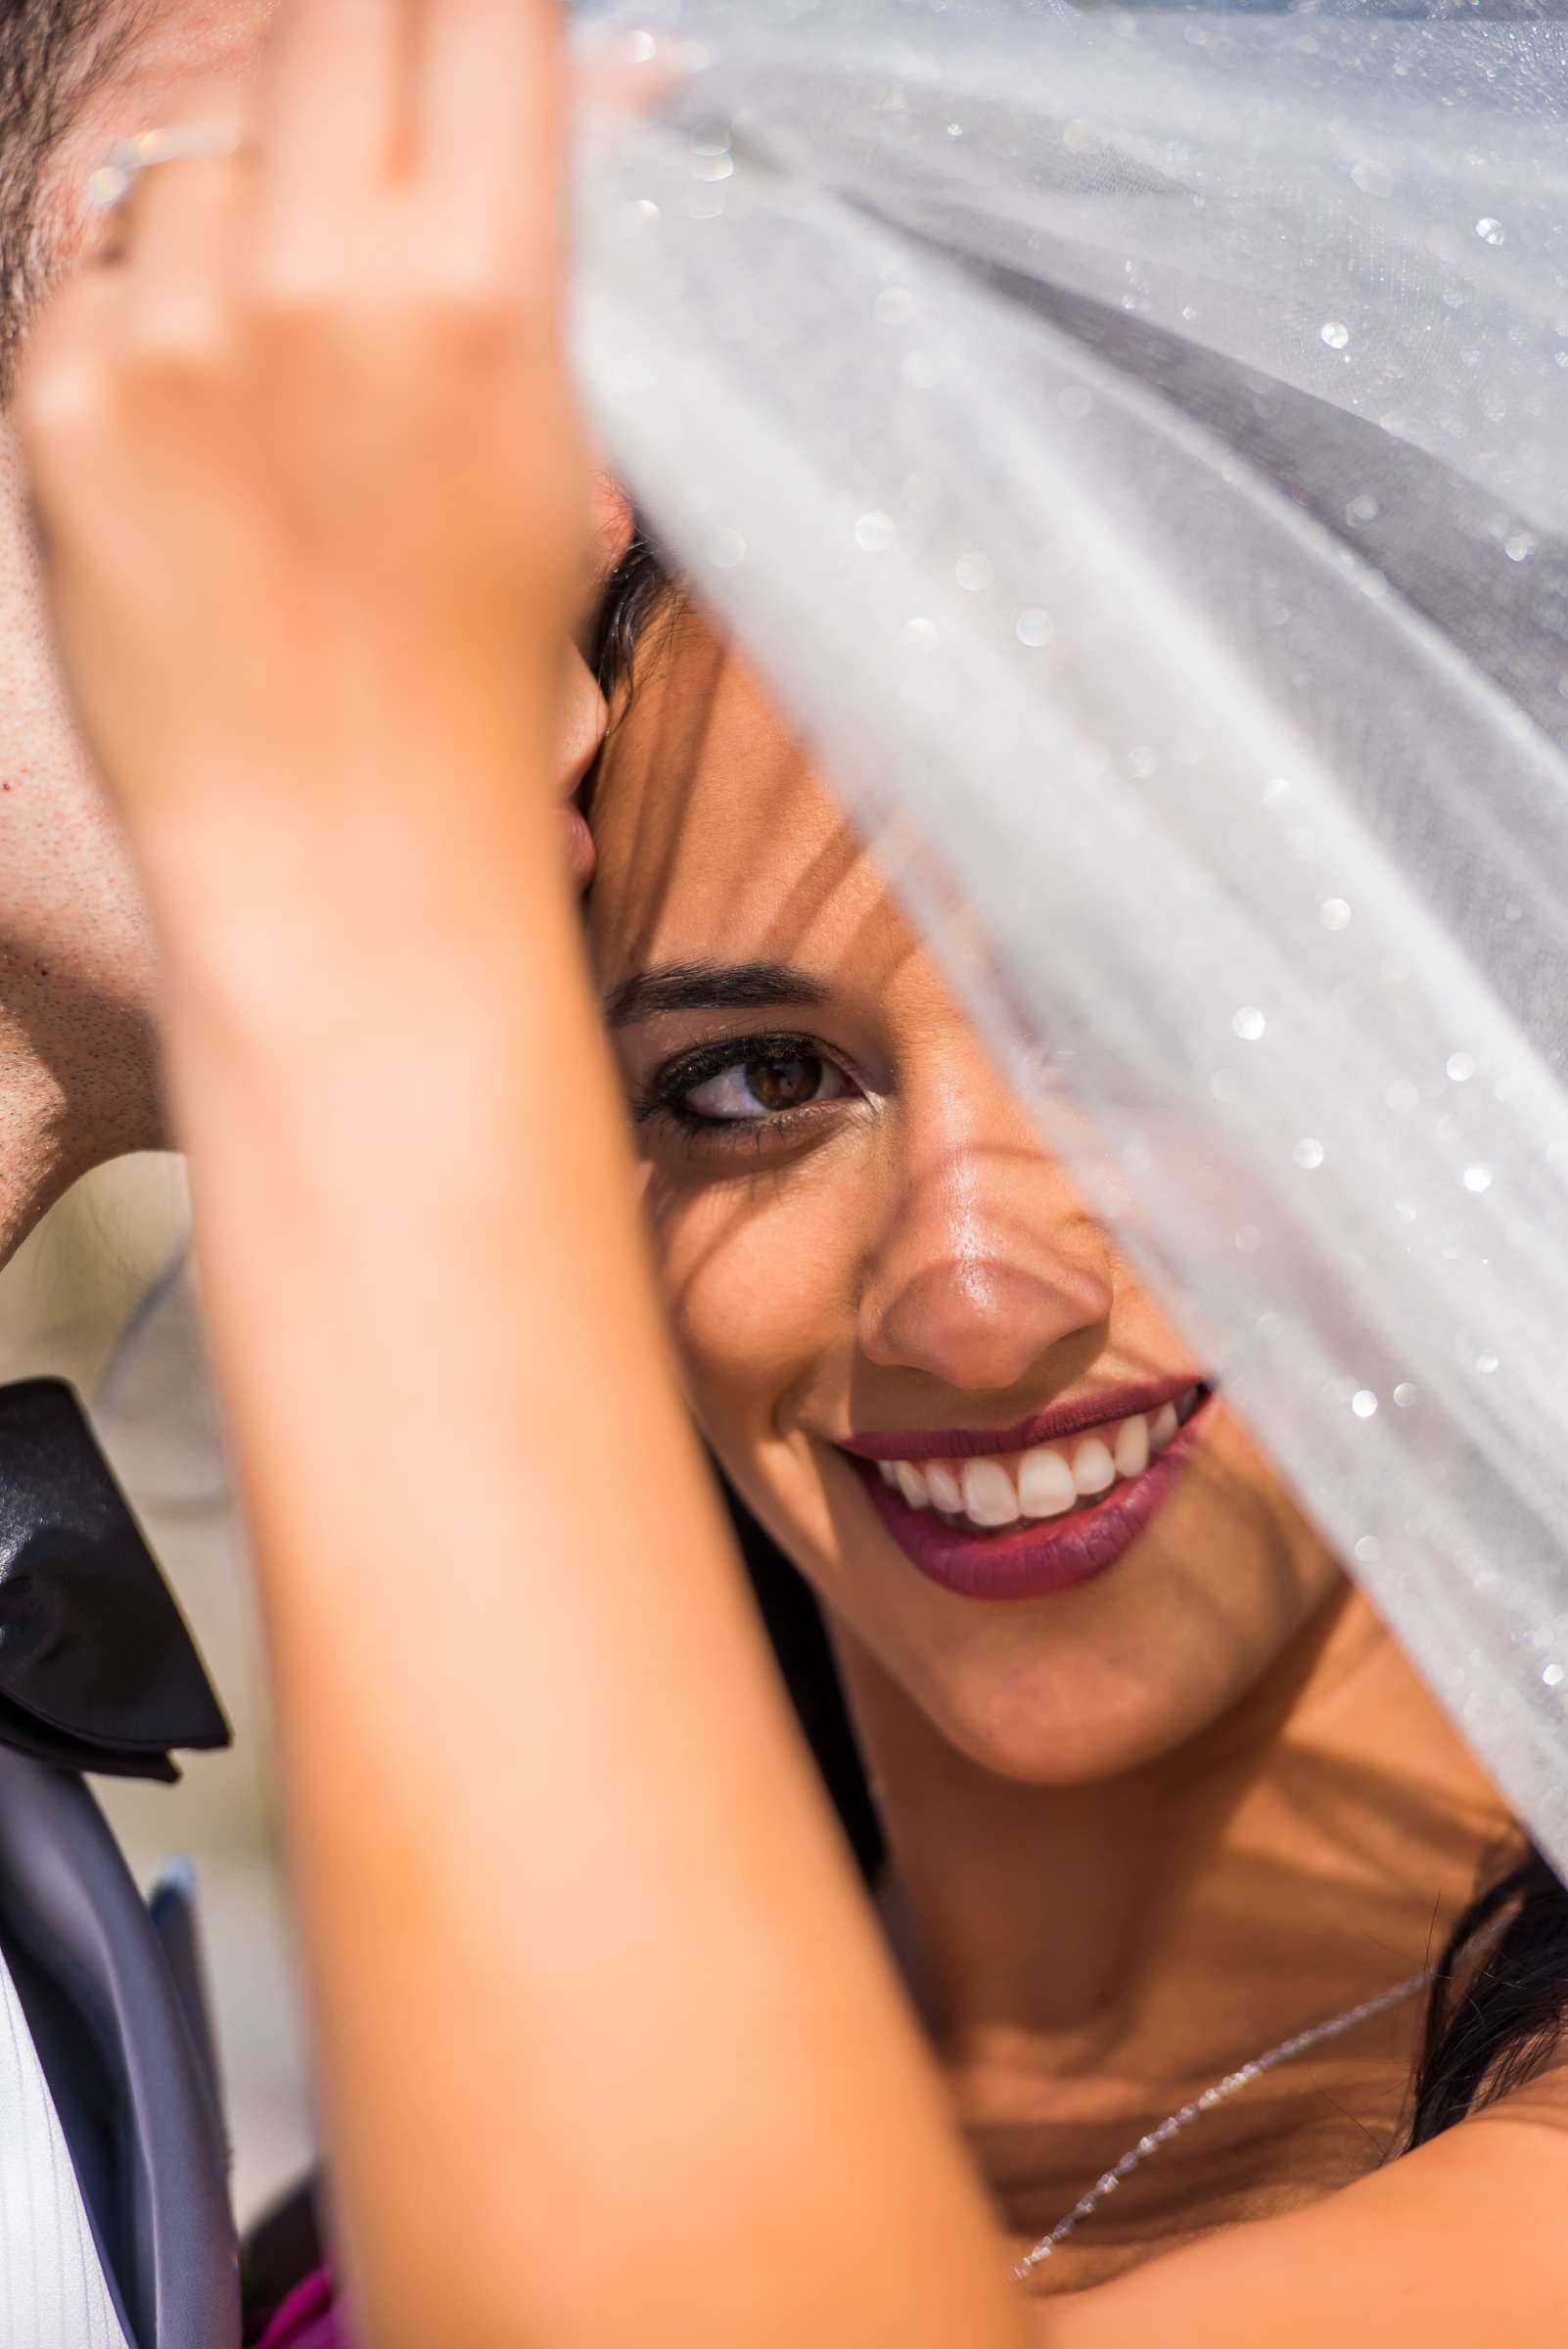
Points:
(98, 1673)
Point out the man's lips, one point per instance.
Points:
(1099, 1407)
(580, 844)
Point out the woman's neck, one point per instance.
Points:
(1306, 1851)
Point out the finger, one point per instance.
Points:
(329, 128)
(491, 82)
(179, 244)
(61, 381)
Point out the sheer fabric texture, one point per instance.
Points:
(1133, 445)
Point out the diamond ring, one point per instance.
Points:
(109, 185)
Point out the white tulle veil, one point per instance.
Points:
(1134, 443)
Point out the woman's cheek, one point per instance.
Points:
(761, 1298)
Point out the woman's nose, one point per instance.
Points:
(988, 1260)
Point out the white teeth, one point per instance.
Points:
(1131, 1453)
(1093, 1470)
(1049, 1482)
(989, 1494)
(912, 1484)
(1045, 1486)
(946, 1493)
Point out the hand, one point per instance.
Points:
(312, 482)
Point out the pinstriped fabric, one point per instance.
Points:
(52, 2289)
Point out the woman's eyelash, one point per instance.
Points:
(667, 1093)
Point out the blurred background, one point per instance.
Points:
(101, 1294)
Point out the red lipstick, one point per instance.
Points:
(1069, 1419)
(1037, 1557)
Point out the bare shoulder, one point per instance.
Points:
(1463, 2244)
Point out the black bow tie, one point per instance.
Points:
(97, 1669)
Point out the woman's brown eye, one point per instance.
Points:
(755, 1087)
(785, 1084)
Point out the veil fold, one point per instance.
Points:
(1133, 445)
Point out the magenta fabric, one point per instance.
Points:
(309, 2319)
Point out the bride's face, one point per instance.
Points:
(875, 1272)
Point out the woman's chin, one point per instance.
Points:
(1056, 1703)
(1077, 1723)
(1040, 1705)
(1083, 1686)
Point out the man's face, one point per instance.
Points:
(77, 968)
(77, 962)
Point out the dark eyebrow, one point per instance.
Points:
(710, 986)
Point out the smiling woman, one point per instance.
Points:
(1178, 1802)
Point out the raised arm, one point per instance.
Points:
(612, 2053)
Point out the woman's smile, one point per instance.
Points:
(1030, 1512)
